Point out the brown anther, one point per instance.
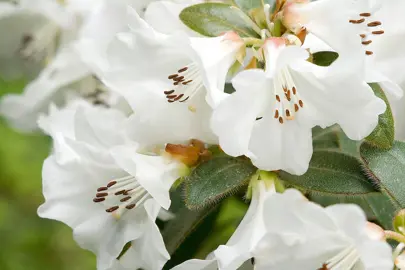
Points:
(176, 83)
(111, 184)
(170, 101)
(129, 207)
(278, 98)
(380, 32)
(112, 209)
(185, 99)
(302, 35)
(179, 79)
(178, 97)
(363, 35)
(288, 95)
(103, 194)
(294, 90)
(102, 189)
(369, 53)
(374, 24)
(182, 70)
(119, 192)
(362, 20)
(296, 108)
(365, 14)
(276, 114)
(287, 112)
(171, 77)
(301, 103)
(280, 119)
(285, 89)
(324, 267)
(125, 199)
(187, 82)
(97, 200)
(171, 96)
(168, 92)
(126, 192)
(367, 42)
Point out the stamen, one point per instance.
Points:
(287, 112)
(365, 14)
(369, 53)
(367, 42)
(380, 32)
(278, 98)
(301, 103)
(102, 189)
(99, 195)
(130, 206)
(363, 35)
(112, 209)
(280, 119)
(186, 85)
(112, 183)
(182, 70)
(96, 200)
(296, 107)
(374, 24)
(276, 115)
(362, 20)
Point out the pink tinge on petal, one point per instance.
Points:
(375, 232)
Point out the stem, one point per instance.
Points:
(394, 236)
(250, 42)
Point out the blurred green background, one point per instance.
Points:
(27, 241)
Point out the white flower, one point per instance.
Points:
(270, 116)
(375, 26)
(169, 99)
(104, 189)
(299, 234)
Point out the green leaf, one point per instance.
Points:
(247, 5)
(325, 138)
(216, 179)
(377, 206)
(324, 58)
(386, 168)
(383, 134)
(332, 173)
(334, 139)
(214, 19)
(336, 177)
(183, 232)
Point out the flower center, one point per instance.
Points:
(288, 101)
(41, 43)
(372, 28)
(186, 83)
(121, 195)
(346, 259)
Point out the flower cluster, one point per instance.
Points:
(136, 93)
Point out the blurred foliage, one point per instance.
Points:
(27, 241)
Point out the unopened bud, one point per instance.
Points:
(399, 222)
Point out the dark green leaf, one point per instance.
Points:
(177, 230)
(216, 179)
(386, 168)
(332, 173)
(324, 58)
(383, 135)
(247, 5)
(214, 19)
(325, 138)
(377, 206)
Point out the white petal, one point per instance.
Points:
(197, 265)
(154, 173)
(235, 117)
